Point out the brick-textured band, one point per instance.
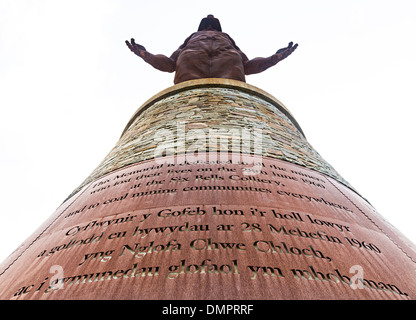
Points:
(213, 108)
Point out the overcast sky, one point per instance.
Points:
(69, 85)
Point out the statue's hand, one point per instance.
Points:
(284, 52)
(136, 48)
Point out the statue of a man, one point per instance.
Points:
(209, 53)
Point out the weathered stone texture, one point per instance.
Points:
(210, 116)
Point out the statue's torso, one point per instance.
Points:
(211, 42)
(209, 54)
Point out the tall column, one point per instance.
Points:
(213, 192)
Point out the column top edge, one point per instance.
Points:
(214, 82)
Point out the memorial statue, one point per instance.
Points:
(209, 53)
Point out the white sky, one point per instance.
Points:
(68, 86)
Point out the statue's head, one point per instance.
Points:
(210, 23)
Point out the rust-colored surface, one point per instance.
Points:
(211, 231)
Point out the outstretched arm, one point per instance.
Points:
(158, 61)
(258, 65)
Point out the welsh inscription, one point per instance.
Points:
(167, 240)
